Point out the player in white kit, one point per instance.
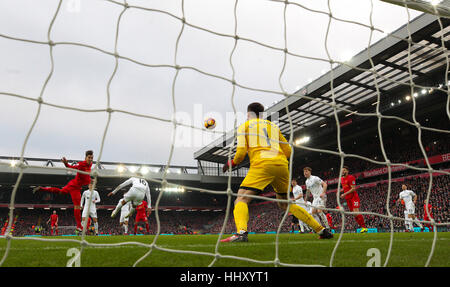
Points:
(308, 208)
(318, 188)
(138, 190)
(298, 199)
(124, 211)
(407, 220)
(410, 199)
(89, 206)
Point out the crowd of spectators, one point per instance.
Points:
(171, 222)
(396, 152)
(373, 199)
(267, 217)
(264, 216)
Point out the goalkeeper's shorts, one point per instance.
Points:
(261, 176)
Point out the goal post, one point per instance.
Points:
(435, 7)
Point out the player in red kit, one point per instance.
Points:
(53, 223)
(428, 215)
(143, 211)
(351, 196)
(74, 186)
(330, 221)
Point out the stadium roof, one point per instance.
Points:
(37, 168)
(354, 87)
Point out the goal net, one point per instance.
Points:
(241, 51)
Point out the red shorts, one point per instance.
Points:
(54, 224)
(353, 202)
(426, 218)
(74, 191)
(141, 218)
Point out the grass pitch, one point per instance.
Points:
(408, 250)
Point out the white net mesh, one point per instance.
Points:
(287, 54)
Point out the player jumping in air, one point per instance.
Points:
(135, 194)
(143, 211)
(74, 186)
(90, 210)
(410, 199)
(268, 152)
(351, 196)
(53, 223)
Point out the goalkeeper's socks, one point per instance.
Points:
(96, 227)
(148, 228)
(241, 216)
(304, 216)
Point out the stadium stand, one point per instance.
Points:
(264, 216)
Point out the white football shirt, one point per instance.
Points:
(136, 182)
(139, 185)
(298, 191)
(407, 196)
(314, 185)
(86, 197)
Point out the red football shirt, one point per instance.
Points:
(329, 219)
(430, 210)
(141, 209)
(53, 218)
(81, 179)
(347, 182)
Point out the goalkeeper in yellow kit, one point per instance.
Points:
(268, 152)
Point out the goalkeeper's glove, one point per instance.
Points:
(226, 166)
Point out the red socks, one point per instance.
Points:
(51, 189)
(77, 214)
(360, 219)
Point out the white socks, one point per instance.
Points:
(324, 219)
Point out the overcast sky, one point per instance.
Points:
(81, 75)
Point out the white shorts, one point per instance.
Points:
(406, 214)
(410, 209)
(135, 196)
(124, 212)
(122, 217)
(92, 212)
(318, 202)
